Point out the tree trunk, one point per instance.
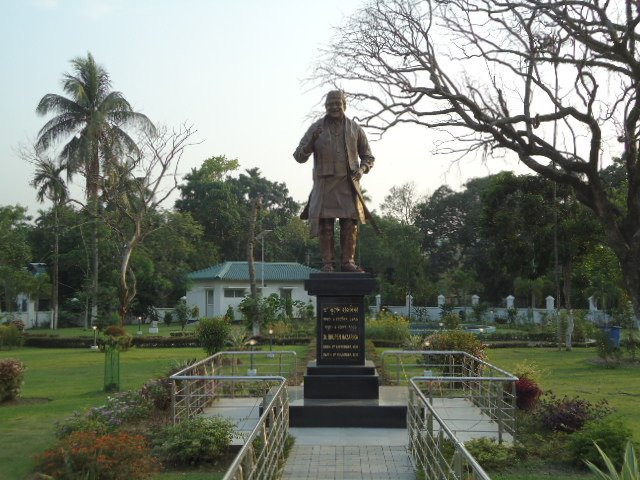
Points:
(566, 283)
(93, 179)
(54, 286)
(126, 293)
(257, 318)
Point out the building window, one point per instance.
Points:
(285, 293)
(234, 292)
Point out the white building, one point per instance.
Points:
(215, 288)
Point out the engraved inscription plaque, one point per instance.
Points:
(341, 331)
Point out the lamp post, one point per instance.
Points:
(252, 371)
(139, 324)
(270, 343)
(95, 336)
(261, 237)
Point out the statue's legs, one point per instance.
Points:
(348, 242)
(327, 246)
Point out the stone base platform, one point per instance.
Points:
(389, 410)
(341, 381)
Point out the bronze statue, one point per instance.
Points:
(336, 143)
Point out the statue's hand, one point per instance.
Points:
(357, 175)
(316, 133)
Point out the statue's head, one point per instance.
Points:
(335, 104)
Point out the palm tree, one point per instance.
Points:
(92, 116)
(49, 184)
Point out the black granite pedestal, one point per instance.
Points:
(341, 388)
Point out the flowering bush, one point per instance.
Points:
(196, 441)
(78, 422)
(115, 331)
(121, 407)
(527, 394)
(570, 414)
(158, 392)
(11, 378)
(88, 455)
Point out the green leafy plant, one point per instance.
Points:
(10, 336)
(388, 327)
(611, 434)
(158, 392)
(193, 442)
(457, 340)
(11, 378)
(451, 321)
(231, 314)
(628, 471)
(490, 454)
(79, 422)
(183, 313)
(168, 318)
(212, 333)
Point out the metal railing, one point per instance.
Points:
(456, 378)
(262, 455)
(434, 447)
(200, 385)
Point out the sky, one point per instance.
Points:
(234, 69)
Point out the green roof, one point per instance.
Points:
(239, 271)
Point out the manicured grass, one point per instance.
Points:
(72, 379)
(574, 374)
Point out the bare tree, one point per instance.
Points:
(134, 190)
(555, 82)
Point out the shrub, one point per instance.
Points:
(122, 343)
(212, 333)
(106, 319)
(281, 329)
(10, 336)
(158, 392)
(451, 321)
(628, 471)
(88, 455)
(230, 315)
(114, 331)
(611, 435)
(168, 318)
(195, 441)
(569, 414)
(489, 454)
(78, 422)
(457, 340)
(121, 407)
(528, 369)
(607, 350)
(19, 324)
(527, 394)
(388, 327)
(11, 378)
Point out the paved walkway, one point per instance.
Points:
(349, 454)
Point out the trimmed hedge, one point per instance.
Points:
(42, 341)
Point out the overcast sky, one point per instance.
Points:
(232, 68)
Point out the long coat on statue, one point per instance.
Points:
(336, 156)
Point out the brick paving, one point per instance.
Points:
(349, 462)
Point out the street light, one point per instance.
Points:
(95, 333)
(252, 371)
(261, 237)
(270, 355)
(139, 324)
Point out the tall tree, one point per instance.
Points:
(92, 116)
(49, 184)
(489, 73)
(135, 191)
(15, 253)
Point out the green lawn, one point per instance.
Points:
(72, 379)
(574, 374)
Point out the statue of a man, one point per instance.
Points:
(341, 155)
